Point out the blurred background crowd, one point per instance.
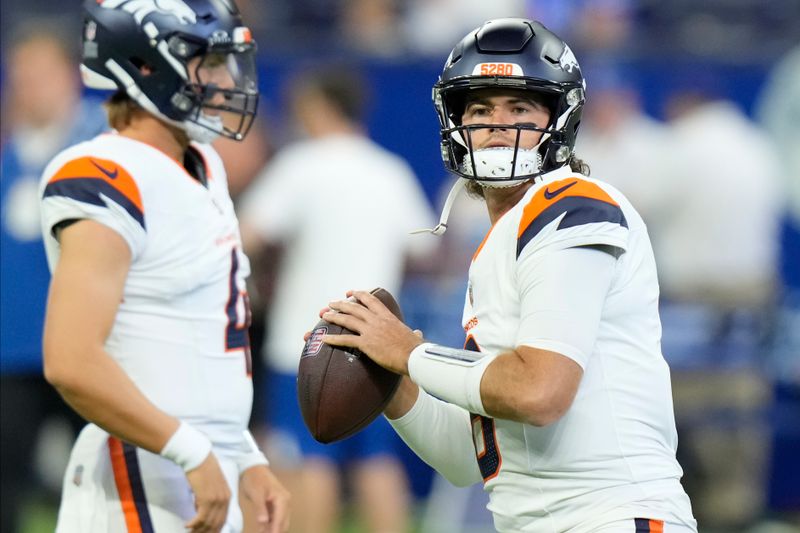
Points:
(693, 111)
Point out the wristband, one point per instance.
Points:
(251, 455)
(450, 374)
(187, 447)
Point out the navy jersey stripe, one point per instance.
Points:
(88, 190)
(137, 488)
(471, 345)
(579, 210)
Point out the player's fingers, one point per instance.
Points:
(323, 311)
(350, 322)
(348, 341)
(279, 517)
(307, 335)
(262, 513)
(348, 308)
(372, 302)
(210, 517)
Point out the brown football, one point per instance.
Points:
(341, 390)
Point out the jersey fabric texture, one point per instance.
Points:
(612, 455)
(180, 332)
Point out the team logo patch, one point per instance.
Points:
(141, 8)
(568, 61)
(77, 476)
(497, 69)
(314, 344)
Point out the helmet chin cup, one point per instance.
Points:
(198, 132)
(503, 166)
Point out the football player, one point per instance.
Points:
(146, 327)
(560, 401)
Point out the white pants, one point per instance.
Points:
(113, 487)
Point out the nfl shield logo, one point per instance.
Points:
(314, 343)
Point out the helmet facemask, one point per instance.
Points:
(222, 94)
(499, 166)
(512, 165)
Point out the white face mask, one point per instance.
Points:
(496, 162)
(198, 132)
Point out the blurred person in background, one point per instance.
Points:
(779, 112)
(431, 26)
(713, 215)
(595, 26)
(342, 207)
(372, 27)
(244, 159)
(145, 333)
(627, 148)
(43, 112)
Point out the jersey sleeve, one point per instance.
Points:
(95, 189)
(453, 457)
(562, 295)
(569, 213)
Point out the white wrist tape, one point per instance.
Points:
(187, 447)
(251, 455)
(450, 374)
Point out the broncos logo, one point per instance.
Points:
(141, 8)
(568, 61)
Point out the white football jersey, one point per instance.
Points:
(613, 453)
(181, 330)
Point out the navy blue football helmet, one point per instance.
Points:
(189, 62)
(518, 54)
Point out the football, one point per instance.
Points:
(341, 390)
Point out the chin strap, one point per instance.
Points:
(441, 227)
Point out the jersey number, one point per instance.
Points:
(484, 435)
(238, 311)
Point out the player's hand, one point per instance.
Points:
(211, 496)
(264, 501)
(379, 334)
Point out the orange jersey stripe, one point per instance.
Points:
(122, 480)
(480, 246)
(486, 238)
(555, 191)
(656, 526)
(104, 169)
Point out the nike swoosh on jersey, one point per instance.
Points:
(80, 180)
(550, 195)
(111, 175)
(586, 203)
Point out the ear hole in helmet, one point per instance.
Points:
(143, 67)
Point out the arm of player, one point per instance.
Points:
(84, 296)
(453, 457)
(85, 292)
(537, 381)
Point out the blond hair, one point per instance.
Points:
(120, 109)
